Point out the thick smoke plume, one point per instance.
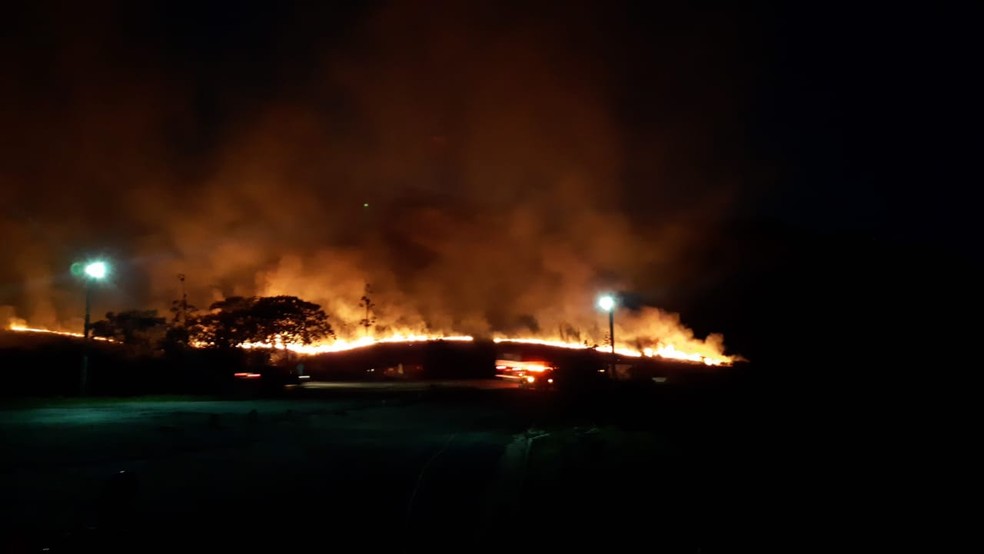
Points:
(469, 160)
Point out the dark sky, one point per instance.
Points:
(534, 151)
(874, 118)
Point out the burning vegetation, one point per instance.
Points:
(293, 324)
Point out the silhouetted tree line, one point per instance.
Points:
(140, 328)
(192, 352)
(228, 323)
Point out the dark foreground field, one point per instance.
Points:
(427, 468)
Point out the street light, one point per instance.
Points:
(607, 303)
(93, 271)
(96, 270)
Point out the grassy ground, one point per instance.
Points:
(420, 469)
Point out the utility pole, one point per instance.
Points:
(611, 338)
(85, 338)
(608, 303)
(93, 271)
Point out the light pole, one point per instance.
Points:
(607, 303)
(93, 271)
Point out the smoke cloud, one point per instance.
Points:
(477, 163)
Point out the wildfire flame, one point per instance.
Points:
(342, 345)
(663, 351)
(19, 327)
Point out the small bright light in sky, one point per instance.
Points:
(606, 302)
(365, 205)
(96, 270)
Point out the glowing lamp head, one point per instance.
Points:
(96, 270)
(606, 302)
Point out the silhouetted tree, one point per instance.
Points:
(238, 320)
(228, 324)
(141, 328)
(289, 319)
(181, 327)
(182, 313)
(180, 308)
(366, 303)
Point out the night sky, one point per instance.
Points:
(533, 151)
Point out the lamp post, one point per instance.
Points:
(607, 303)
(93, 271)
